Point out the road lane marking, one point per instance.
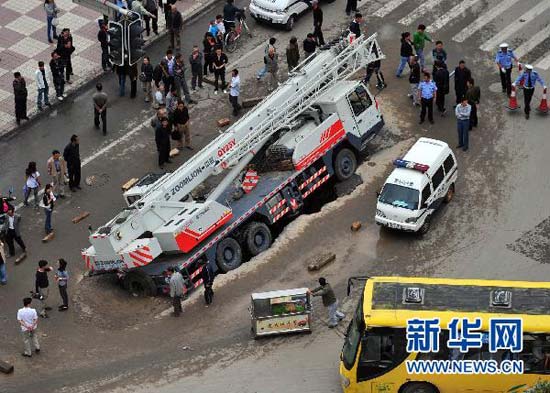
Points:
(483, 19)
(388, 8)
(516, 25)
(543, 62)
(533, 42)
(454, 12)
(417, 13)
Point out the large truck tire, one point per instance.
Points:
(229, 254)
(345, 164)
(257, 237)
(140, 284)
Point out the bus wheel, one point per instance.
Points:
(419, 388)
(450, 193)
(257, 237)
(140, 284)
(229, 255)
(345, 164)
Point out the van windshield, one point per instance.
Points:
(399, 196)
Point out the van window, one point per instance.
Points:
(399, 196)
(437, 178)
(426, 192)
(359, 100)
(449, 163)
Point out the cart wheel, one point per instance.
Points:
(229, 255)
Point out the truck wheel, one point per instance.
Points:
(345, 164)
(140, 284)
(450, 193)
(257, 237)
(229, 255)
(419, 388)
(290, 23)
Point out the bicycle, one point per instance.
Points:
(235, 33)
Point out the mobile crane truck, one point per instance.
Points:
(311, 128)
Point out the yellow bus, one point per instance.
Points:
(375, 359)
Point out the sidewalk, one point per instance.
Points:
(23, 43)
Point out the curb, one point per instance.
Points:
(96, 76)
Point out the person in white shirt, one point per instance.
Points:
(32, 183)
(42, 86)
(234, 91)
(28, 319)
(160, 99)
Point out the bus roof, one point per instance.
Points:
(391, 301)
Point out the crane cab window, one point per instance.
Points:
(359, 100)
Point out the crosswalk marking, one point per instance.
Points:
(483, 20)
(533, 42)
(516, 25)
(421, 10)
(389, 7)
(543, 62)
(452, 14)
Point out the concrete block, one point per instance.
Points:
(80, 217)
(129, 184)
(321, 261)
(6, 367)
(355, 226)
(223, 122)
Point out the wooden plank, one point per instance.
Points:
(321, 262)
(129, 184)
(250, 102)
(80, 217)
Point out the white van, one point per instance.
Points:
(422, 179)
(282, 12)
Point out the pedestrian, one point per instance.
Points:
(221, 29)
(355, 25)
(167, 66)
(407, 50)
(48, 200)
(51, 19)
(172, 99)
(195, 60)
(351, 7)
(427, 91)
(133, 75)
(235, 91)
(28, 320)
(414, 80)
(374, 68)
(146, 77)
(318, 23)
(71, 154)
(167, 8)
(181, 80)
(263, 70)
(180, 118)
(103, 39)
(209, 48)
(157, 120)
(272, 67)
(530, 78)
(219, 62)
(329, 301)
(177, 285)
(139, 8)
(463, 112)
(419, 40)
(292, 54)
(230, 15)
(441, 79)
(20, 97)
(207, 276)
(175, 27)
(213, 29)
(160, 98)
(62, 278)
(439, 55)
(462, 76)
(3, 262)
(309, 45)
(42, 86)
(57, 170)
(57, 69)
(32, 183)
(121, 71)
(65, 48)
(163, 133)
(100, 107)
(153, 8)
(505, 62)
(12, 231)
(473, 94)
(41, 286)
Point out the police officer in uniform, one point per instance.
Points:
(504, 60)
(529, 77)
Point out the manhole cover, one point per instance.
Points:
(97, 180)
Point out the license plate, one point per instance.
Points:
(393, 225)
(264, 17)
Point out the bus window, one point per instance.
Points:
(381, 350)
(353, 337)
(535, 354)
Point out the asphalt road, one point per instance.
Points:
(496, 227)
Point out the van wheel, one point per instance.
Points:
(140, 284)
(425, 227)
(257, 237)
(345, 164)
(419, 388)
(229, 255)
(450, 193)
(290, 23)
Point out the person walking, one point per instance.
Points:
(235, 91)
(318, 23)
(48, 200)
(414, 80)
(65, 48)
(177, 285)
(163, 133)
(263, 70)
(209, 48)
(219, 62)
(329, 301)
(505, 62)
(51, 19)
(441, 79)
(146, 77)
(20, 97)
(355, 25)
(12, 231)
(174, 27)
(103, 39)
(351, 7)
(71, 154)
(419, 41)
(427, 91)
(195, 60)
(407, 50)
(180, 117)
(62, 278)
(530, 78)
(181, 80)
(374, 68)
(462, 76)
(42, 285)
(3, 262)
(28, 320)
(272, 68)
(57, 69)
(57, 170)
(32, 183)
(463, 112)
(207, 276)
(473, 95)
(42, 86)
(100, 100)
(439, 55)
(292, 54)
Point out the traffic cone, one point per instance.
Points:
(513, 102)
(522, 82)
(543, 107)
